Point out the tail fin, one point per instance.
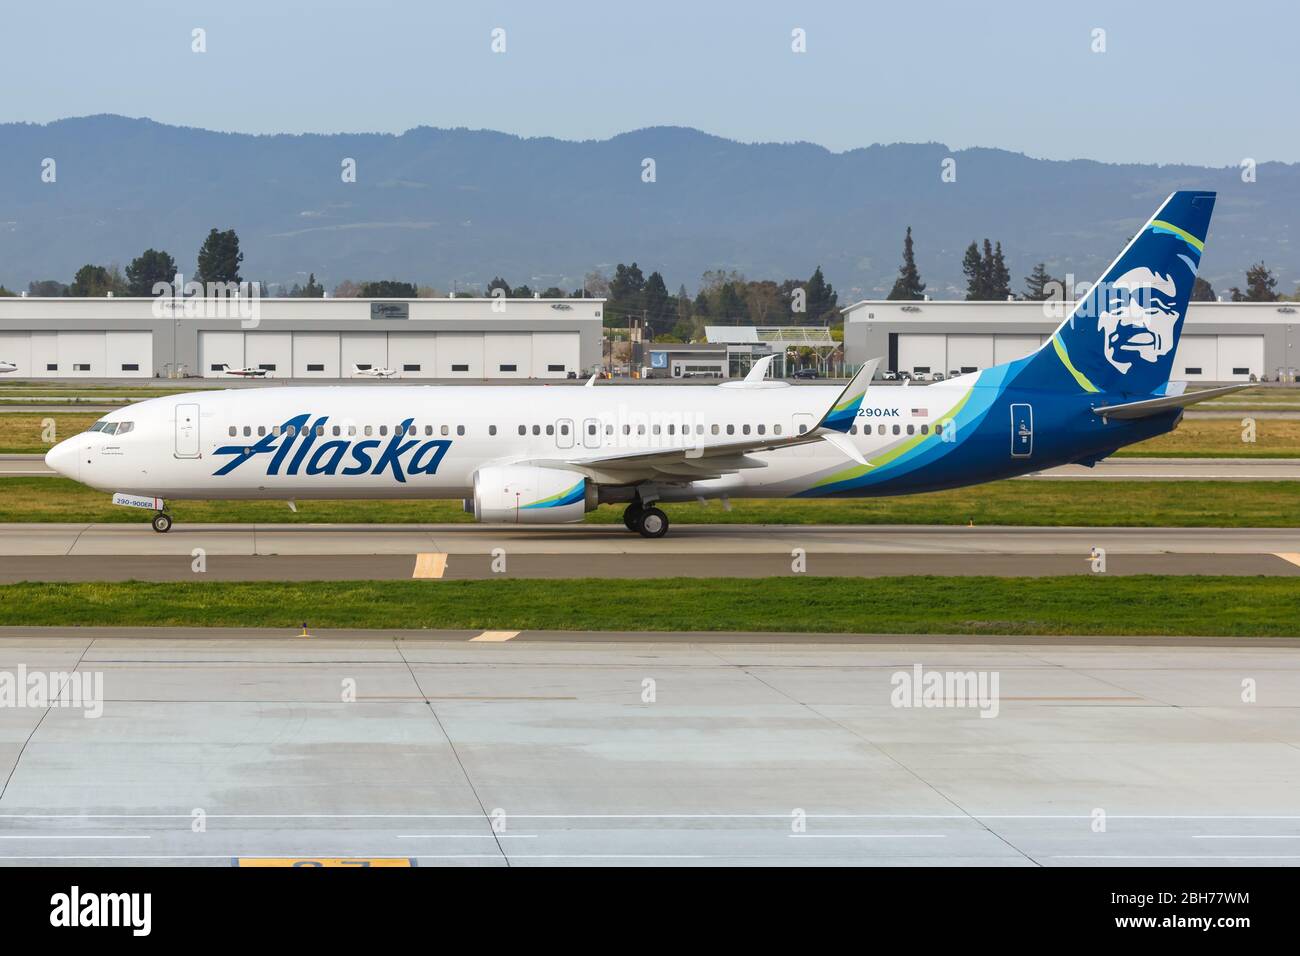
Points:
(1122, 335)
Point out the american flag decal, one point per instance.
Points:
(920, 413)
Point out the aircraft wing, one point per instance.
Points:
(695, 462)
(1156, 406)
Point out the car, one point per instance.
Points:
(904, 376)
(889, 376)
(920, 376)
(804, 373)
(937, 377)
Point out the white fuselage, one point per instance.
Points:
(178, 446)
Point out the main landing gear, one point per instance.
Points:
(162, 523)
(648, 522)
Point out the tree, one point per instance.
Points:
(347, 289)
(387, 289)
(1202, 291)
(908, 286)
(624, 294)
(219, 257)
(47, 289)
(972, 266)
(1260, 285)
(147, 269)
(522, 292)
(999, 276)
(554, 292)
(7, 293)
(823, 300)
(90, 281)
(659, 312)
(313, 289)
(1039, 284)
(498, 283)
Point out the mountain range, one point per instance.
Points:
(437, 206)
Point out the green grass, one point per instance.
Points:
(1040, 502)
(1078, 605)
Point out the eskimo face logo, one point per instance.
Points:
(338, 456)
(1138, 318)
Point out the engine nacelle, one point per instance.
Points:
(523, 494)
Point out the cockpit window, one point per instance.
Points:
(124, 427)
(98, 426)
(109, 428)
(112, 428)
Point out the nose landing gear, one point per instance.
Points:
(162, 523)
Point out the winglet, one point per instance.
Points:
(591, 382)
(845, 410)
(758, 371)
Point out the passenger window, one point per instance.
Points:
(640, 429)
(291, 430)
(925, 429)
(275, 430)
(938, 428)
(261, 430)
(853, 429)
(446, 430)
(776, 429)
(492, 429)
(96, 427)
(247, 431)
(369, 430)
(911, 429)
(802, 429)
(352, 430)
(731, 429)
(320, 430)
(896, 430)
(460, 429)
(881, 430)
(383, 429)
(537, 429)
(523, 429)
(714, 429)
(564, 429)
(762, 429)
(428, 429)
(744, 429)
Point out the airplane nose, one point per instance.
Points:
(65, 459)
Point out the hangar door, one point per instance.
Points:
(922, 353)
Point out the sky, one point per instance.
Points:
(1189, 82)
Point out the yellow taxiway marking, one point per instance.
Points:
(496, 636)
(242, 861)
(1292, 556)
(430, 565)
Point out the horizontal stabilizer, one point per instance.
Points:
(1166, 403)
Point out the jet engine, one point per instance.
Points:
(524, 494)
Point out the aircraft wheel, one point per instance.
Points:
(162, 523)
(652, 523)
(632, 516)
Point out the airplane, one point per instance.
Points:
(531, 455)
(7, 367)
(374, 371)
(244, 372)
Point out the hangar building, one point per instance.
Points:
(1221, 341)
(300, 338)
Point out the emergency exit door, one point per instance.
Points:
(1022, 430)
(187, 431)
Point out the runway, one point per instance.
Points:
(1112, 469)
(218, 750)
(114, 552)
